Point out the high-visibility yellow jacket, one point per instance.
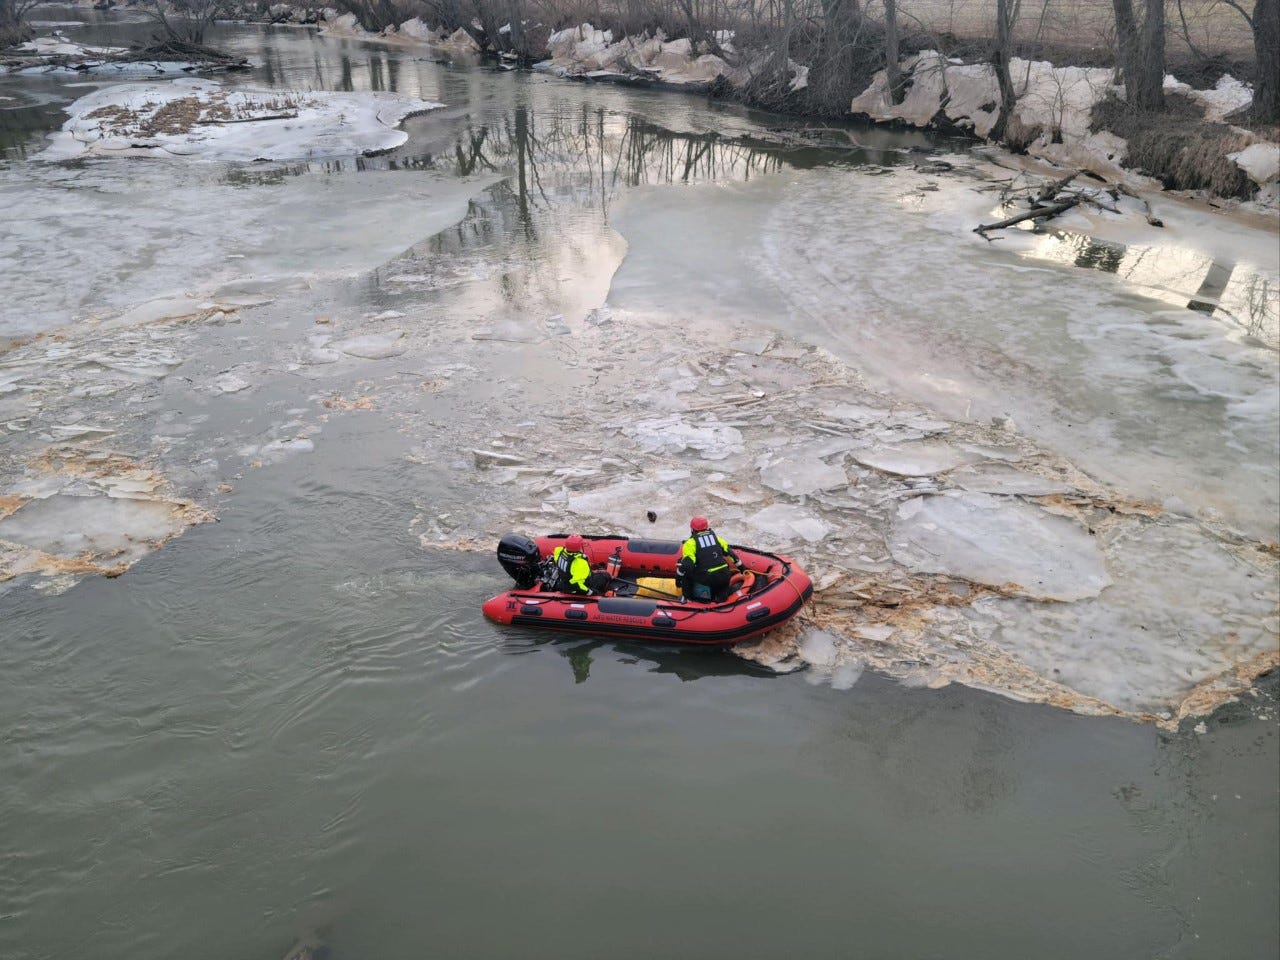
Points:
(706, 552)
(573, 570)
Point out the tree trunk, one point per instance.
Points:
(517, 30)
(892, 73)
(1006, 15)
(1150, 92)
(1141, 53)
(1266, 46)
(1126, 43)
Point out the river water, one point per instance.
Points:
(294, 721)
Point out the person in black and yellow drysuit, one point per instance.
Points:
(704, 570)
(571, 571)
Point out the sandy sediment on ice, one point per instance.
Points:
(200, 119)
(78, 510)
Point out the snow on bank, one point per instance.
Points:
(415, 30)
(584, 51)
(1052, 110)
(58, 55)
(1225, 97)
(198, 118)
(1053, 105)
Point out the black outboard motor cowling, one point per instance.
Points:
(520, 558)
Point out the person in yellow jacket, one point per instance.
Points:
(572, 570)
(703, 571)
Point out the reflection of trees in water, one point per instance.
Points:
(1093, 255)
(1223, 288)
(22, 129)
(601, 152)
(1260, 299)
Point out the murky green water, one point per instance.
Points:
(295, 718)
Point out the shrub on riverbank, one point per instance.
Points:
(1179, 147)
(13, 22)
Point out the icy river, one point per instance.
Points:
(261, 424)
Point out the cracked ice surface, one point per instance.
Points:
(713, 441)
(996, 541)
(1002, 478)
(1183, 606)
(177, 230)
(802, 475)
(1163, 401)
(919, 587)
(922, 459)
(717, 374)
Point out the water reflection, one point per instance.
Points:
(685, 663)
(547, 219)
(1237, 292)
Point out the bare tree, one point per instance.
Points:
(373, 15)
(1141, 52)
(184, 21)
(13, 22)
(892, 72)
(1006, 17)
(1265, 23)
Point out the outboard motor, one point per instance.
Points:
(520, 558)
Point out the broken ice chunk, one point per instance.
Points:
(731, 493)
(489, 458)
(230, 383)
(373, 346)
(72, 526)
(1001, 478)
(715, 441)
(818, 647)
(296, 445)
(72, 431)
(803, 475)
(785, 522)
(916, 459)
(996, 541)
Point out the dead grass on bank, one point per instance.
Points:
(1179, 147)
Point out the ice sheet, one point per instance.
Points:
(1001, 542)
(195, 228)
(200, 119)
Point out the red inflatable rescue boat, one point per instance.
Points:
(641, 600)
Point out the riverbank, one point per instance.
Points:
(1069, 115)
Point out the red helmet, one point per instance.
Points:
(574, 544)
(698, 524)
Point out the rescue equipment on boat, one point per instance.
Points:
(642, 600)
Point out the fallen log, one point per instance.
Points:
(1035, 213)
(1051, 190)
(1151, 217)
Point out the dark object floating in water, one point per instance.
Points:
(653, 517)
(642, 601)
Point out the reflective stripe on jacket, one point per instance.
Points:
(706, 552)
(573, 571)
